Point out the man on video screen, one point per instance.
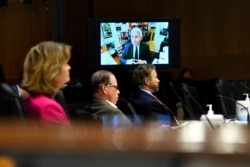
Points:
(136, 52)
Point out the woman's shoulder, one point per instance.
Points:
(41, 99)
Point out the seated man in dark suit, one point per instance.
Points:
(10, 102)
(148, 106)
(136, 52)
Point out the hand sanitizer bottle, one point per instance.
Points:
(242, 107)
(210, 111)
(216, 119)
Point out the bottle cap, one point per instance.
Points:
(210, 110)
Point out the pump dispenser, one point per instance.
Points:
(242, 107)
(247, 96)
(210, 110)
(216, 119)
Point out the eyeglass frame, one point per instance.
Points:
(113, 86)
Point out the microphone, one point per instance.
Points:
(194, 100)
(235, 101)
(245, 86)
(131, 108)
(179, 98)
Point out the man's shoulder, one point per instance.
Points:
(144, 44)
(100, 106)
(128, 45)
(140, 95)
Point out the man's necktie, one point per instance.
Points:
(136, 53)
(168, 109)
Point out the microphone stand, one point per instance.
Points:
(201, 109)
(228, 98)
(179, 98)
(245, 86)
(131, 108)
(191, 97)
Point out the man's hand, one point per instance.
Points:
(136, 61)
(139, 61)
(130, 61)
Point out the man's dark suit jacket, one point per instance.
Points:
(149, 108)
(11, 104)
(144, 53)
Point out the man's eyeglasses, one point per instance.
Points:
(114, 86)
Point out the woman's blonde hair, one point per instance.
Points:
(42, 65)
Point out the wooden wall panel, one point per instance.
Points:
(76, 13)
(214, 36)
(22, 26)
(128, 8)
(214, 39)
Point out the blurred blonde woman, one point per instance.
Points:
(46, 70)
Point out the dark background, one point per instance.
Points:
(214, 34)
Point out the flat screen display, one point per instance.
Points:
(125, 43)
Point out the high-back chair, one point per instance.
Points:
(59, 97)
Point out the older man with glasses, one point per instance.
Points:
(105, 95)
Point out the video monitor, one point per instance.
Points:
(124, 43)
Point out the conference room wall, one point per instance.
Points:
(214, 36)
(22, 26)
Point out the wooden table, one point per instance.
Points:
(87, 144)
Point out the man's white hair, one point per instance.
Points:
(136, 30)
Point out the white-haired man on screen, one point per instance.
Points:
(136, 51)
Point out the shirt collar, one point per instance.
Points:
(148, 92)
(112, 104)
